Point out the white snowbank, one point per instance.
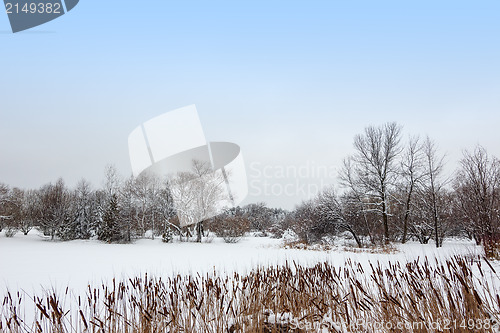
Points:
(33, 263)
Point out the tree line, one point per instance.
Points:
(390, 189)
(396, 190)
(126, 209)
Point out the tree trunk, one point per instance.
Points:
(199, 228)
(436, 225)
(356, 238)
(407, 215)
(436, 234)
(153, 226)
(385, 217)
(385, 220)
(367, 225)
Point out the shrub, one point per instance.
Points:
(231, 228)
(168, 236)
(10, 232)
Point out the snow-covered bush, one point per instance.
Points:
(168, 236)
(10, 232)
(289, 237)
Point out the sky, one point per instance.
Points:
(291, 82)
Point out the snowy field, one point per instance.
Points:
(34, 263)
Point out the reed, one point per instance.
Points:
(456, 295)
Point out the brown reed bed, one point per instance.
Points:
(456, 295)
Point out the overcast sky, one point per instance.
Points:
(291, 82)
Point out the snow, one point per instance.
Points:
(33, 263)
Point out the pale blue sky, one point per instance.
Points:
(291, 82)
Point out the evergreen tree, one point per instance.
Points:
(110, 229)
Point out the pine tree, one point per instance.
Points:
(110, 229)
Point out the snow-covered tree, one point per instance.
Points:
(141, 188)
(13, 213)
(29, 208)
(372, 171)
(108, 204)
(332, 216)
(165, 210)
(302, 221)
(4, 200)
(477, 186)
(80, 223)
(433, 193)
(128, 209)
(112, 181)
(110, 230)
(197, 194)
(54, 207)
(412, 173)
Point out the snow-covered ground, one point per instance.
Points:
(33, 263)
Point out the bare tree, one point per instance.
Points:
(477, 186)
(433, 189)
(54, 207)
(14, 211)
(21, 206)
(260, 217)
(412, 172)
(231, 225)
(155, 190)
(372, 170)
(142, 187)
(354, 199)
(302, 220)
(112, 181)
(128, 210)
(331, 211)
(4, 200)
(29, 211)
(322, 216)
